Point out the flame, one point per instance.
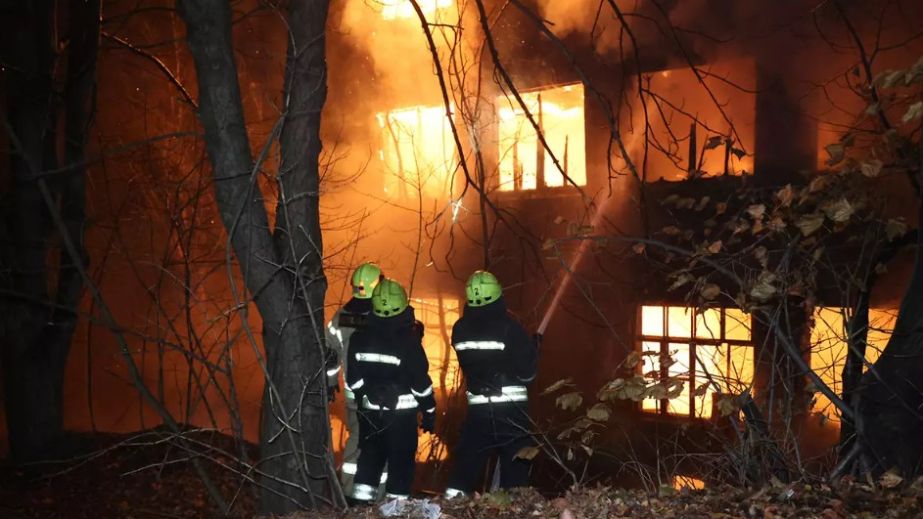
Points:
(418, 151)
(681, 481)
(394, 9)
(438, 316)
(559, 113)
(720, 367)
(829, 348)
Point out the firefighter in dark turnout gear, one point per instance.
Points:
(389, 375)
(353, 316)
(498, 360)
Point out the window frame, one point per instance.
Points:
(693, 341)
(541, 187)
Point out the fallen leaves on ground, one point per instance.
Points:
(850, 500)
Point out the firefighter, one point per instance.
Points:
(389, 375)
(498, 361)
(351, 317)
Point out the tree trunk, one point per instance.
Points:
(41, 324)
(283, 270)
(890, 420)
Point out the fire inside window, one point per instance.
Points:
(524, 163)
(418, 151)
(716, 341)
(829, 348)
(438, 315)
(395, 9)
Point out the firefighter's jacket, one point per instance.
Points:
(495, 353)
(351, 317)
(387, 368)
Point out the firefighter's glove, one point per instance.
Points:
(428, 422)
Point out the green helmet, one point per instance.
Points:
(388, 298)
(365, 279)
(482, 288)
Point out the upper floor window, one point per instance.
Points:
(829, 348)
(524, 163)
(418, 151)
(709, 351)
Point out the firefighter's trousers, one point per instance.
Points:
(386, 437)
(502, 427)
(351, 452)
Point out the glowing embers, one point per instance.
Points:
(716, 341)
(418, 151)
(395, 9)
(829, 348)
(524, 163)
(438, 315)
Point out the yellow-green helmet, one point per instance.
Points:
(365, 279)
(388, 298)
(482, 288)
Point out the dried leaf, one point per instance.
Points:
(764, 287)
(840, 211)
(785, 196)
(671, 230)
(895, 227)
(713, 142)
(656, 391)
(685, 203)
(527, 453)
(914, 111)
(710, 291)
(720, 208)
(638, 248)
(569, 401)
(762, 255)
(715, 247)
(756, 211)
(739, 153)
(682, 280)
(702, 389)
(777, 224)
(548, 244)
(702, 203)
(810, 223)
(871, 168)
(727, 405)
(632, 360)
(890, 479)
(558, 385)
(836, 151)
(599, 413)
(558, 220)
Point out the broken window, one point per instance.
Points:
(709, 351)
(396, 9)
(418, 151)
(691, 124)
(525, 164)
(829, 348)
(438, 315)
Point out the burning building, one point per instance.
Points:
(546, 144)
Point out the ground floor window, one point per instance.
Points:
(708, 350)
(829, 348)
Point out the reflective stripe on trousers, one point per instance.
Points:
(351, 467)
(363, 492)
(405, 401)
(507, 394)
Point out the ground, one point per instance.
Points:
(127, 478)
